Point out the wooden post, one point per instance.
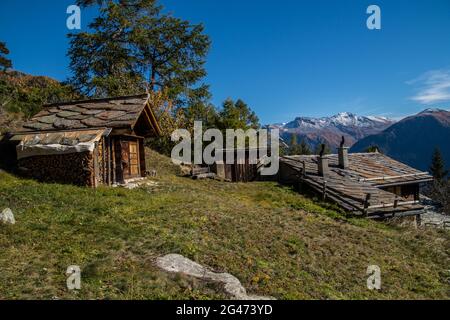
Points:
(142, 163)
(322, 166)
(102, 156)
(304, 169)
(324, 190)
(96, 168)
(416, 195)
(367, 203)
(113, 158)
(108, 155)
(396, 201)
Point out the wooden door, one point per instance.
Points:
(134, 158)
(130, 159)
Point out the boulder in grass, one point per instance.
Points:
(179, 264)
(7, 217)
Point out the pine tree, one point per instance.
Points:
(5, 63)
(437, 167)
(327, 149)
(200, 111)
(237, 115)
(298, 149)
(294, 148)
(132, 45)
(294, 140)
(305, 149)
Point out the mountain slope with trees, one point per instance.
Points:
(413, 139)
(23, 95)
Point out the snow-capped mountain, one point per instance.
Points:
(340, 119)
(329, 130)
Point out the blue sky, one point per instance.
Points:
(285, 58)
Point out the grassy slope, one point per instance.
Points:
(275, 241)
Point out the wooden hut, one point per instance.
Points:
(90, 142)
(366, 183)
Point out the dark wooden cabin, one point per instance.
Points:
(90, 142)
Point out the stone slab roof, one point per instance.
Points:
(121, 112)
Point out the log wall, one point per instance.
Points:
(73, 168)
(287, 174)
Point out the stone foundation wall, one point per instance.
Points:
(72, 168)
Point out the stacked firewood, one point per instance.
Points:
(72, 168)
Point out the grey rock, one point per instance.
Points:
(433, 217)
(7, 217)
(178, 264)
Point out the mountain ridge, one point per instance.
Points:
(329, 130)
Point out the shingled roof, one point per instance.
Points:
(120, 112)
(366, 174)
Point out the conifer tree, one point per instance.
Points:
(437, 167)
(5, 63)
(133, 46)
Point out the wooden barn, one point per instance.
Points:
(90, 142)
(371, 184)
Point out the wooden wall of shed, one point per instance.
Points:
(408, 192)
(142, 158)
(104, 153)
(103, 163)
(72, 168)
(243, 172)
(287, 175)
(237, 172)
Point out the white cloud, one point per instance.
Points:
(433, 86)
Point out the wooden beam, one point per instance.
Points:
(96, 169)
(367, 203)
(153, 119)
(394, 177)
(148, 114)
(22, 133)
(304, 169)
(324, 190)
(108, 155)
(401, 183)
(388, 205)
(104, 157)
